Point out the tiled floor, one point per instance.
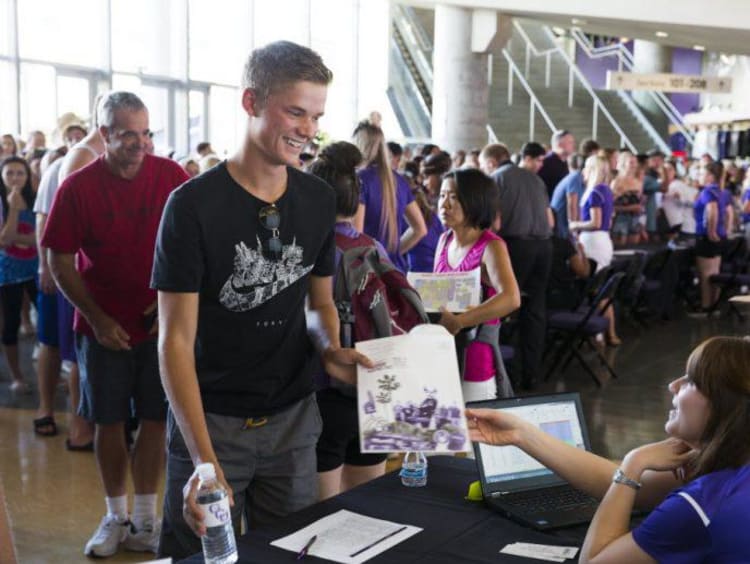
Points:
(54, 497)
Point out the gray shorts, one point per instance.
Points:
(271, 469)
(114, 384)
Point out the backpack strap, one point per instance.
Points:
(342, 294)
(489, 335)
(345, 243)
(442, 242)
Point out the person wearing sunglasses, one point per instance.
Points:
(241, 249)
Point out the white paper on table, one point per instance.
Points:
(625, 252)
(343, 535)
(412, 398)
(456, 291)
(550, 553)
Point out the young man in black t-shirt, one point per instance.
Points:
(239, 251)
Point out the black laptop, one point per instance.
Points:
(518, 486)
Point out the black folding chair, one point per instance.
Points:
(630, 287)
(593, 286)
(656, 291)
(576, 328)
(733, 275)
(687, 288)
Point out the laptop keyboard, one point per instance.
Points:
(541, 501)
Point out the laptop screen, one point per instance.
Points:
(558, 415)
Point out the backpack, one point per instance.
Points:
(373, 297)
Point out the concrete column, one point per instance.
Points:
(650, 57)
(460, 93)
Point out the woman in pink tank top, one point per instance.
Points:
(467, 206)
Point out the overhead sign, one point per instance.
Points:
(663, 82)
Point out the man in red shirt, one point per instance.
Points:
(101, 232)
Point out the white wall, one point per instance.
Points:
(738, 68)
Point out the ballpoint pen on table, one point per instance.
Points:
(381, 539)
(305, 549)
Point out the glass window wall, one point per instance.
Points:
(183, 57)
(156, 45)
(73, 95)
(220, 39)
(6, 27)
(71, 32)
(38, 100)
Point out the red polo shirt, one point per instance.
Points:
(111, 223)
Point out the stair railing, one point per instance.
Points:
(625, 61)
(534, 103)
(531, 49)
(597, 106)
(491, 136)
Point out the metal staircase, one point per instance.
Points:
(536, 88)
(625, 61)
(569, 97)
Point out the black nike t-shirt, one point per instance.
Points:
(253, 355)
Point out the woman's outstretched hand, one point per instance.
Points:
(493, 427)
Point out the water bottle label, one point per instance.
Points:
(216, 513)
(413, 471)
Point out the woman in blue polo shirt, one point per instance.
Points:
(745, 210)
(597, 207)
(387, 211)
(713, 214)
(696, 482)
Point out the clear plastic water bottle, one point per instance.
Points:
(219, 545)
(414, 470)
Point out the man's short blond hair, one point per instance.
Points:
(496, 151)
(281, 63)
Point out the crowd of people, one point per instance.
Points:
(182, 293)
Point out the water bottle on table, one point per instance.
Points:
(219, 545)
(414, 470)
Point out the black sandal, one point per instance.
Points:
(45, 426)
(88, 447)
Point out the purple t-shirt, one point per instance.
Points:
(371, 197)
(422, 256)
(745, 198)
(598, 197)
(705, 521)
(725, 201)
(711, 193)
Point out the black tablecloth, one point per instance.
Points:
(455, 530)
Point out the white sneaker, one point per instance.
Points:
(107, 538)
(145, 539)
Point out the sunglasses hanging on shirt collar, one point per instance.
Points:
(270, 218)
